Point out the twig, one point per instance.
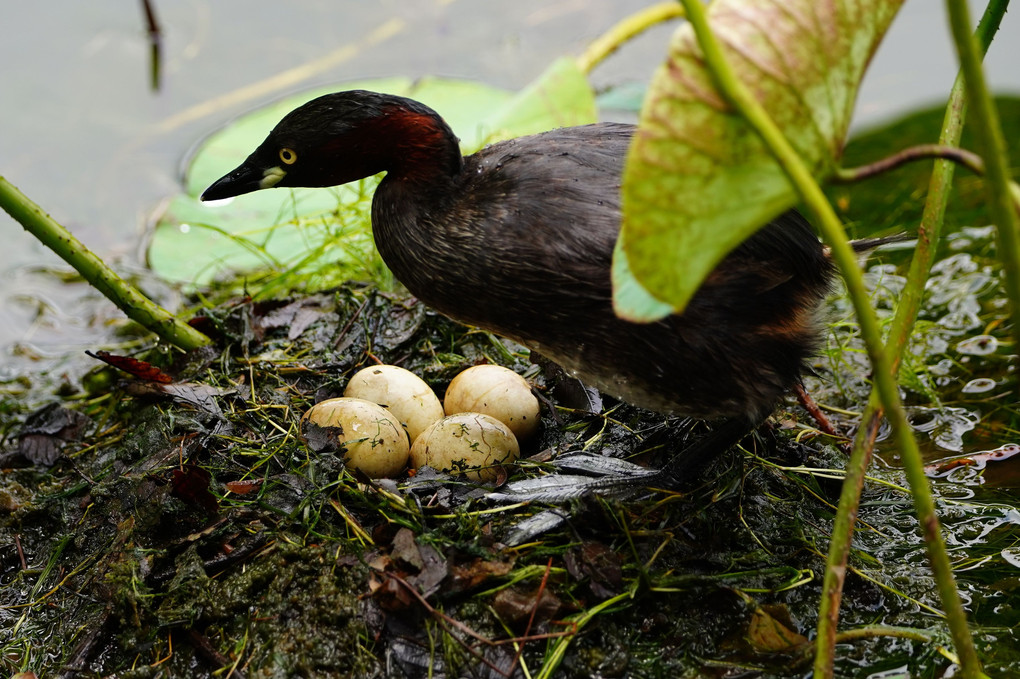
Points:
(446, 620)
(155, 42)
(205, 649)
(534, 610)
(350, 321)
(808, 403)
(21, 553)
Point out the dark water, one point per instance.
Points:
(86, 138)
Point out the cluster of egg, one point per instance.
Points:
(389, 415)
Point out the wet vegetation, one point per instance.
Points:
(165, 518)
(173, 523)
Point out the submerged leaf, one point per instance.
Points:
(698, 179)
(766, 633)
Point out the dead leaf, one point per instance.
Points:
(599, 565)
(243, 487)
(191, 484)
(390, 594)
(516, 606)
(42, 437)
(406, 551)
(978, 460)
(765, 633)
(321, 439)
(469, 575)
(143, 370)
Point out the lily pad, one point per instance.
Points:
(698, 179)
(193, 241)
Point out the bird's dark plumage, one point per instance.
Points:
(518, 239)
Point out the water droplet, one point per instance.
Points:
(979, 385)
(978, 345)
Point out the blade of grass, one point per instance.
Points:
(834, 236)
(554, 659)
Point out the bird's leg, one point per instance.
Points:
(809, 404)
(690, 460)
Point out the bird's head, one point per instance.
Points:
(332, 140)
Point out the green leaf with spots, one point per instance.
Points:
(698, 179)
(560, 97)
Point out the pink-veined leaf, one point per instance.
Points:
(698, 179)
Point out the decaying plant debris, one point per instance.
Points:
(190, 531)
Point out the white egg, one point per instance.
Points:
(368, 436)
(496, 391)
(472, 444)
(401, 392)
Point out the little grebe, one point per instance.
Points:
(518, 239)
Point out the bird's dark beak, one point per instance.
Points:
(245, 179)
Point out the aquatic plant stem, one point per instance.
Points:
(132, 302)
(970, 160)
(832, 233)
(907, 307)
(992, 145)
(625, 30)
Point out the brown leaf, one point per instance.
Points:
(515, 606)
(469, 575)
(42, 437)
(191, 484)
(599, 565)
(405, 550)
(390, 594)
(243, 487)
(767, 634)
(143, 370)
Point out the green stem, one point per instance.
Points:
(626, 29)
(834, 236)
(116, 289)
(907, 309)
(886, 631)
(993, 148)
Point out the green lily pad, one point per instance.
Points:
(698, 179)
(560, 97)
(193, 242)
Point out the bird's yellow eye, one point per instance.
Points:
(288, 156)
